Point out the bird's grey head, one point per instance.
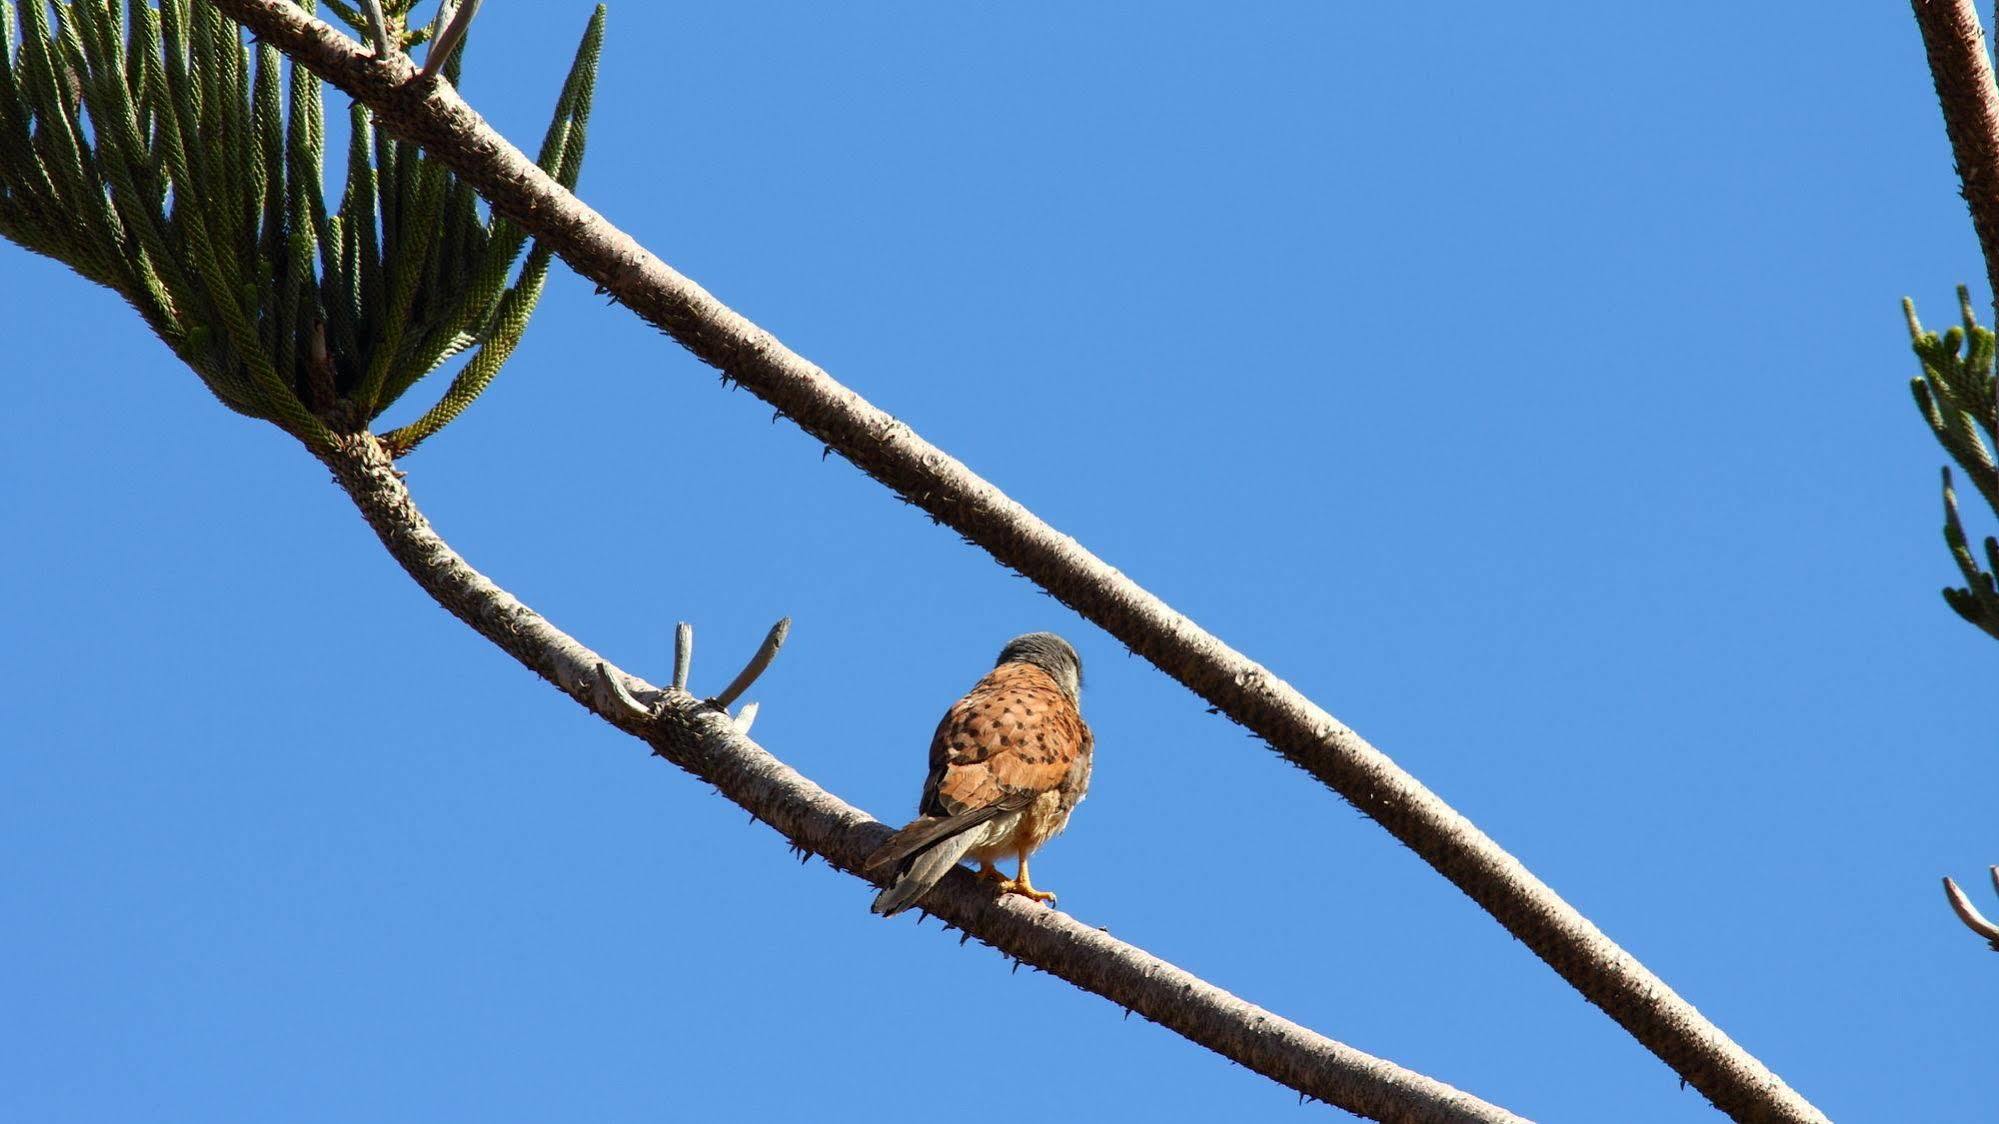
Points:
(1051, 654)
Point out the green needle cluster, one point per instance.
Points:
(147, 147)
(1957, 397)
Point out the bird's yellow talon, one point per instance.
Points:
(1022, 886)
(1011, 886)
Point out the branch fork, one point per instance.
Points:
(617, 695)
(702, 737)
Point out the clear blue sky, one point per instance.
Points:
(1525, 384)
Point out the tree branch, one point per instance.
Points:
(447, 41)
(1962, 70)
(430, 113)
(683, 654)
(1968, 913)
(759, 663)
(1963, 74)
(703, 740)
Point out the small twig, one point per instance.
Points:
(613, 684)
(745, 717)
(766, 652)
(1968, 913)
(447, 40)
(683, 654)
(378, 28)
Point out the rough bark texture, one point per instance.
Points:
(1963, 75)
(431, 114)
(702, 740)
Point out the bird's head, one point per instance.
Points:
(1051, 654)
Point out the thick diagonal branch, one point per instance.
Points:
(702, 739)
(1963, 75)
(433, 115)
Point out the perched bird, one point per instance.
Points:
(1008, 763)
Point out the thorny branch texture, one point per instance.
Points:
(431, 114)
(1963, 75)
(702, 739)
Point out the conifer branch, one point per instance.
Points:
(434, 116)
(701, 738)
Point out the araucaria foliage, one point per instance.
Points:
(155, 152)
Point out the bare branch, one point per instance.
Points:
(745, 718)
(614, 685)
(704, 741)
(378, 27)
(1962, 72)
(683, 654)
(434, 116)
(766, 652)
(1968, 913)
(447, 41)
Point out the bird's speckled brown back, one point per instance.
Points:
(1008, 764)
(1014, 736)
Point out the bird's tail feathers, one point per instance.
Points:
(926, 870)
(924, 832)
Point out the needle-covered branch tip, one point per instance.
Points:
(766, 652)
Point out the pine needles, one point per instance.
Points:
(156, 153)
(1956, 394)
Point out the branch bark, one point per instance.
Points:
(1968, 913)
(432, 114)
(702, 739)
(1962, 72)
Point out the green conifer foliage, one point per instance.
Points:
(151, 149)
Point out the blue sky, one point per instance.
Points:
(1525, 385)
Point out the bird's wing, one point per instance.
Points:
(1012, 737)
(1077, 781)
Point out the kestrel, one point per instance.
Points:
(1008, 763)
